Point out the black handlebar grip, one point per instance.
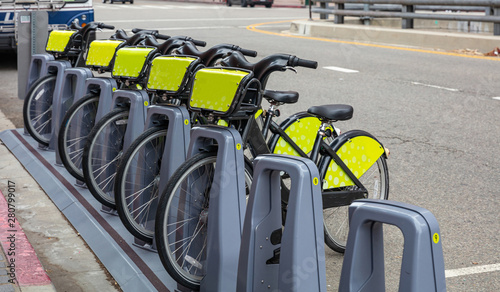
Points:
(162, 36)
(102, 25)
(199, 43)
(307, 63)
(145, 30)
(250, 53)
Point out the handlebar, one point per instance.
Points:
(250, 53)
(102, 25)
(152, 32)
(303, 63)
(263, 68)
(213, 54)
(198, 43)
(161, 36)
(140, 35)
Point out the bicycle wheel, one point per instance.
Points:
(102, 154)
(137, 181)
(37, 109)
(181, 219)
(75, 128)
(365, 157)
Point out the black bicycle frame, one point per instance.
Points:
(331, 198)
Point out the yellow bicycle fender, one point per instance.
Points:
(359, 154)
(302, 132)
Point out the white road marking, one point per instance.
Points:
(187, 19)
(436, 86)
(340, 69)
(140, 7)
(186, 28)
(496, 97)
(472, 270)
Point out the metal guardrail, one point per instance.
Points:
(406, 10)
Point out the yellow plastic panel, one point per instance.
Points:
(58, 40)
(215, 89)
(130, 61)
(168, 72)
(359, 154)
(303, 133)
(101, 52)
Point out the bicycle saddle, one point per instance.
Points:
(332, 112)
(281, 96)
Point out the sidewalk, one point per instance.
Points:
(49, 253)
(20, 268)
(434, 39)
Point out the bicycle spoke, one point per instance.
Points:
(108, 181)
(138, 194)
(144, 207)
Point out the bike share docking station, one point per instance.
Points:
(291, 258)
(227, 205)
(136, 102)
(174, 154)
(72, 89)
(258, 233)
(38, 68)
(249, 251)
(422, 267)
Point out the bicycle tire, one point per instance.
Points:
(166, 236)
(37, 109)
(70, 142)
(101, 157)
(137, 181)
(375, 179)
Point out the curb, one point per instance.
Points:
(448, 41)
(22, 263)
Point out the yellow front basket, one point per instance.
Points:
(101, 53)
(59, 40)
(170, 73)
(130, 61)
(218, 90)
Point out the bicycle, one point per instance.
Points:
(69, 48)
(81, 116)
(136, 196)
(99, 169)
(64, 45)
(181, 234)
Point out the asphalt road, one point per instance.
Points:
(438, 115)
